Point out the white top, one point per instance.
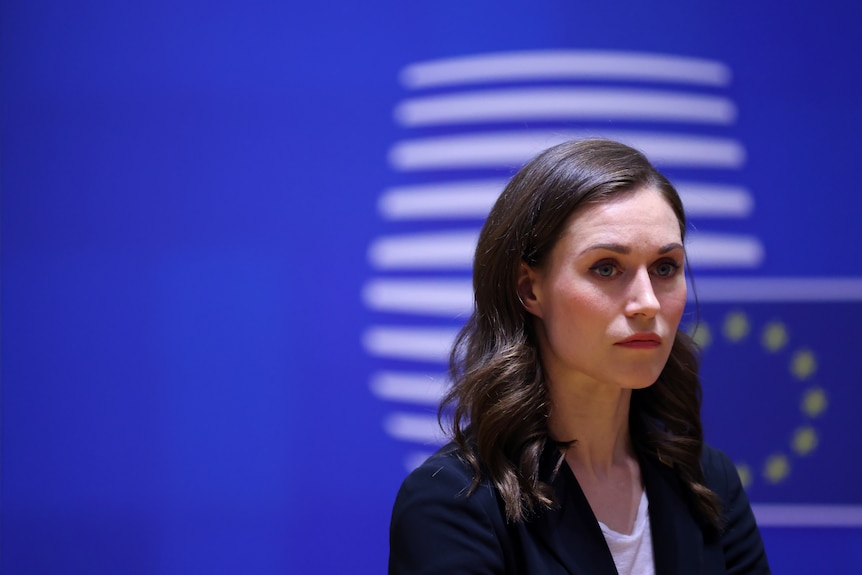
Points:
(632, 553)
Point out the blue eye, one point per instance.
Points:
(605, 270)
(666, 269)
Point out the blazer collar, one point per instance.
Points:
(572, 533)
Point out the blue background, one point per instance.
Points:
(188, 194)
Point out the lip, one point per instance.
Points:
(641, 341)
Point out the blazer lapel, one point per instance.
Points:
(677, 539)
(573, 536)
(571, 531)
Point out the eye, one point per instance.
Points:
(605, 269)
(666, 269)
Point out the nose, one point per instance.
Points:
(642, 299)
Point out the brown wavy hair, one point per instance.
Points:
(499, 401)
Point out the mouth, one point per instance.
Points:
(640, 341)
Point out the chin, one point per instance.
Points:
(640, 382)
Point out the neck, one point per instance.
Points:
(597, 419)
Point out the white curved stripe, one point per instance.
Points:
(413, 427)
(436, 297)
(446, 200)
(707, 250)
(429, 344)
(564, 104)
(438, 250)
(454, 251)
(777, 515)
(474, 199)
(709, 289)
(512, 149)
(713, 200)
(564, 64)
(779, 289)
(423, 389)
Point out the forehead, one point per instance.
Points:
(639, 216)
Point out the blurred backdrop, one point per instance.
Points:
(236, 240)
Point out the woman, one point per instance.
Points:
(577, 445)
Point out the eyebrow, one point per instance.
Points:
(621, 249)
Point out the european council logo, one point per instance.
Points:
(471, 122)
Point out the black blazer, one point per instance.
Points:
(437, 529)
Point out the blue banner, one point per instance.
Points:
(236, 245)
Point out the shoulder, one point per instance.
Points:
(445, 480)
(445, 470)
(438, 525)
(719, 471)
(740, 538)
(721, 477)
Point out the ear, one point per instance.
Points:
(528, 282)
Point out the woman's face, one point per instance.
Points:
(610, 296)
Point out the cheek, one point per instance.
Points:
(577, 308)
(674, 304)
(588, 314)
